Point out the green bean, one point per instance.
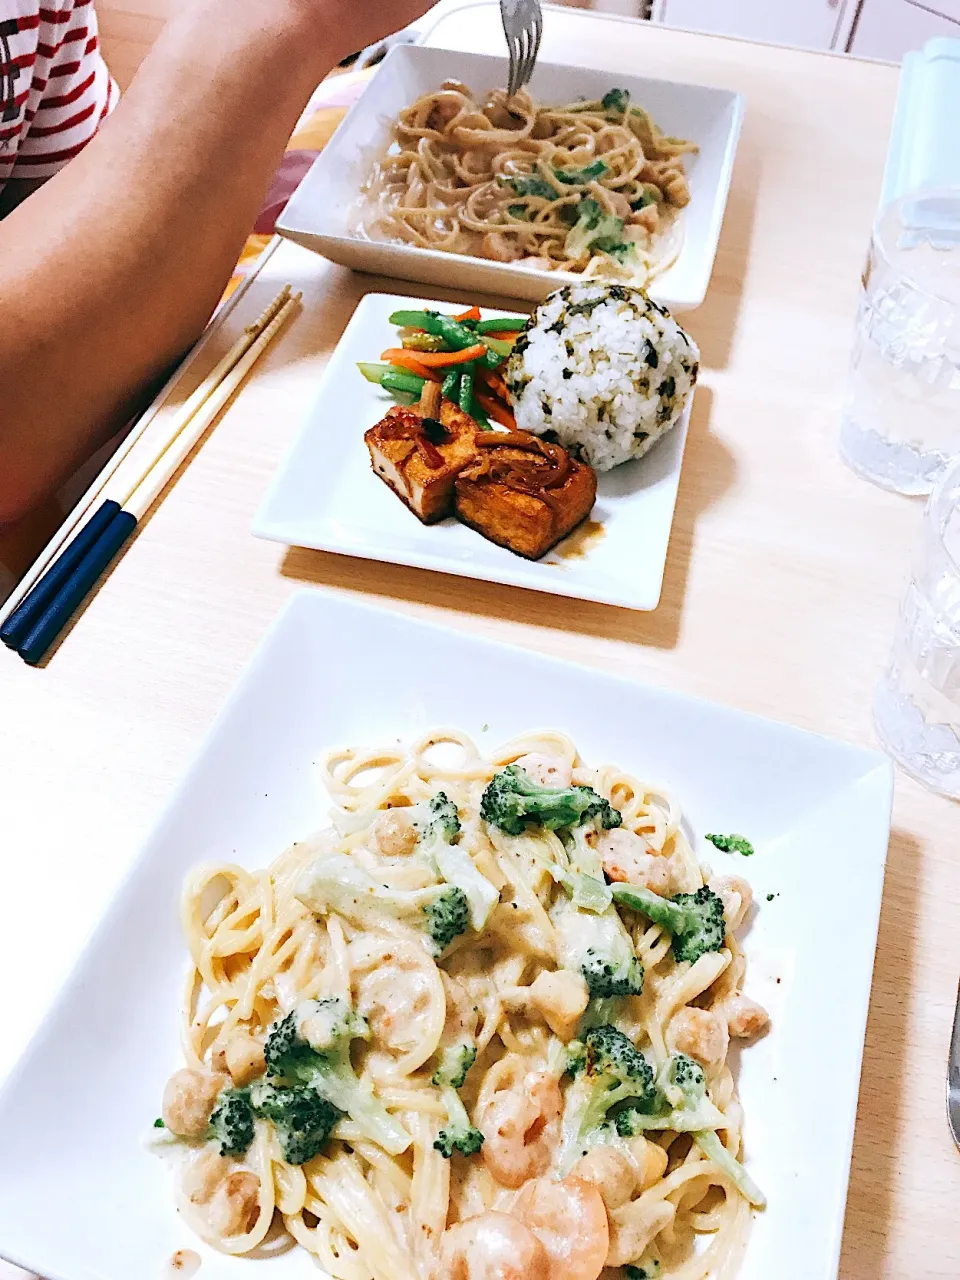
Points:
(451, 386)
(404, 383)
(457, 336)
(374, 372)
(466, 388)
(502, 324)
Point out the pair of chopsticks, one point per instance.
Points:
(46, 609)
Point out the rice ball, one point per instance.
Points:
(602, 369)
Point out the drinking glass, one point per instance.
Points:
(917, 708)
(901, 416)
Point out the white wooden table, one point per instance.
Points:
(780, 596)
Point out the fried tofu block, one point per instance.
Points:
(420, 458)
(524, 493)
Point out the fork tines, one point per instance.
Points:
(523, 28)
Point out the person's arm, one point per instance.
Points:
(111, 270)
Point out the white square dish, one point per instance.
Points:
(326, 496)
(80, 1199)
(321, 212)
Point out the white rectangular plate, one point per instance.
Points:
(326, 496)
(80, 1199)
(323, 212)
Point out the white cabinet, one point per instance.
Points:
(811, 24)
(890, 28)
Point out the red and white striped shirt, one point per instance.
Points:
(55, 89)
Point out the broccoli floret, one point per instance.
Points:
(616, 100)
(448, 915)
(596, 230)
(311, 1046)
(439, 819)
(580, 177)
(512, 801)
(617, 1072)
(681, 1104)
(458, 1134)
(732, 844)
(532, 184)
(608, 977)
(438, 827)
(694, 919)
(455, 1062)
(599, 948)
(302, 1118)
(334, 882)
(576, 1058)
(231, 1123)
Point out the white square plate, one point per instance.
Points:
(326, 496)
(79, 1197)
(322, 213)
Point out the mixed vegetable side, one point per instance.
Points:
(462, 353)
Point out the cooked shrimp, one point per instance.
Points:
(736, 896)
(521, 1128)
(570, 1219)
(395, 997)
(546, 771)
(189, 1100)
(395, 833)
(492, 1246)
(745, 1018)
(699, 1033)
(627, 857)
(634, 1226)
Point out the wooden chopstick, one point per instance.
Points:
(116, 526)
(62, 558)
(115, 484)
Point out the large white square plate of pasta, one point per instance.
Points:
(326, 495)
(489, 936)
(434, 176)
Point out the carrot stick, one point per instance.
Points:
(506, 335)
(496, 384)
(439, 359)
(497, 411)
(472, 314)
(404, 359)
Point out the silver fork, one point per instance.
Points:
(523, 27)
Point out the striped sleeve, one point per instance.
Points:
(72, 89)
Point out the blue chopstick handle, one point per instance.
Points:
(16, 628)
(61, 609)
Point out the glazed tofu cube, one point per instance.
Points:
(524, 493)
(420, 458)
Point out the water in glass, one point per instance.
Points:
(901, 416)
(918, 701)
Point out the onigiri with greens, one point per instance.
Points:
(603, 370)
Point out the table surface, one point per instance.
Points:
(780, 596)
